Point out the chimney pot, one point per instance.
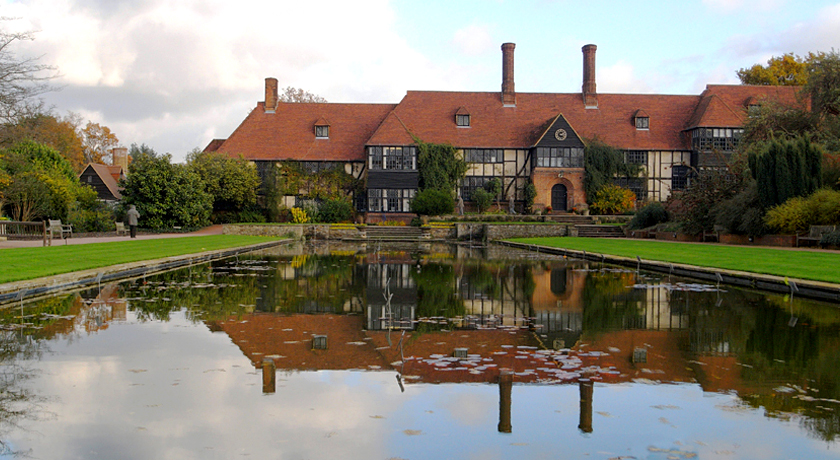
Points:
(271, 97)
(590, 95)
(508, 91)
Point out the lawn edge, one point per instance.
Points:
(804, 288)
(36, 287)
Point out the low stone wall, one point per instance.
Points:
(501, 232)
(292, 231)
(442, 233)
(460, 231)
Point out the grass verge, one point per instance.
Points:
(29, 263)
(810, 265)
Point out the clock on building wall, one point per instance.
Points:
(560, 134)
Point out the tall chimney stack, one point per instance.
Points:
(119, 157)
(590, 95)
(270, 94)
(508, 91)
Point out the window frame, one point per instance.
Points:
(462, 120)
(559, 157)
(322, 131)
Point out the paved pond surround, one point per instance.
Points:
(456, 231)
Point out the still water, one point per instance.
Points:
(440, 353)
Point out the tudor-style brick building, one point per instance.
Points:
(516, 137)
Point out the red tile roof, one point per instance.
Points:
(289, 133)
(214, 145)
(727, 105)
(430, 116)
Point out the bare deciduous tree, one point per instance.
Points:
(291, 94)
(22, 79)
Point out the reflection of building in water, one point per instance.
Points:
(401, 290)
(493, 296)
(557, 303)
(309, 284)
(664, 309)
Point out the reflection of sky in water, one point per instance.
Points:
(176, 390)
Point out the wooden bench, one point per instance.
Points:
(55, 227)
(121, 228)
(814, 235)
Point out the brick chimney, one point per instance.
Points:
(590, 95)
(270, 94)
(119, 157)
(508, 91)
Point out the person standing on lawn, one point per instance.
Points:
(132, 216)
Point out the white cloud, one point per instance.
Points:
(733, 6)
(474, 40)
(164, 72)
(620, 78)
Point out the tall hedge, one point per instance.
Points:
(785, 169)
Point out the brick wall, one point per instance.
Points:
(544, 179)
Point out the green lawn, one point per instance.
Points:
(810, 265)
(28, 263)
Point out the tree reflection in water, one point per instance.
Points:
(734, 341)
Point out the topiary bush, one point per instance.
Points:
(433, 202)
(530, 196)
(333, 211)
(483, 199)
(651, 214)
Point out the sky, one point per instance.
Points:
(175, 74)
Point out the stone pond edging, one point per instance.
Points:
(455, 231)
(10, 292)
(805, 288)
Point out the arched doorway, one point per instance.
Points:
(559, 198)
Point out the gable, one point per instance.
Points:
(560, 134)
(100, 178)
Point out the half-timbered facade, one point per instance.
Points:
(519, 138)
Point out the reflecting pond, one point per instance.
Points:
(333, 351)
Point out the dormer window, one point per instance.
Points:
(462, 118)
(641, 119)
(322, 129)
(753, 106)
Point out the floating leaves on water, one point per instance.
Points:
(664, 406)
(137, 371)
(413, 432)
(689, 287)
(673, 452)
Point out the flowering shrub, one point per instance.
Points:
(299, 216)
(796, 215)
(612, 199)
